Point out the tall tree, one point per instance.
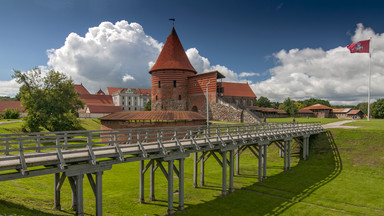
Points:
(313, 101)
(263, 102)
(51, 100)
(148, 106)
(378, 109)
(363, 107)
(289, 106)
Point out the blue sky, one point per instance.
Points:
(242, 36)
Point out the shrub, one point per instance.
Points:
(11, 114)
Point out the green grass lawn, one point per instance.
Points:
(344, 177)
(304, 119)
(372, 124)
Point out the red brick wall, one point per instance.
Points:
(197, 90)
(168, 95)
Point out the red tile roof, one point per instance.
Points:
(113, 90)
(81, 89)
(303, 111)
(97, 99)
(103, 109)
(318, 107)
(172, 56)
(100, 92)
(145, 91)
(265, 109)
(11, 105)
(155, 115)
(237, 89)
(343, 110)
(353, 112)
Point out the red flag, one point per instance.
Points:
(359, 47)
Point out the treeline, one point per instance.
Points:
(291, 106)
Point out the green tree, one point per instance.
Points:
(263, 102)
(51, 100)
(313, 101)
(299, 105)
(148, 106)
(363, 107)
(378, 109)
(289, 106)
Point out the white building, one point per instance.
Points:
(130, 99)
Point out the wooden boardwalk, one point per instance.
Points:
(74, 154)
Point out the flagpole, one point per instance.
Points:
(369, 79)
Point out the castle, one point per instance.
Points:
(179, 94)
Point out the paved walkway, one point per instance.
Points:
(9, 122)
(339, 124)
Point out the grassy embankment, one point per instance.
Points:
(341, 177)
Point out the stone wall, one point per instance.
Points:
(223, 111)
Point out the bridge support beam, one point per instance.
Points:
(195, 162)
(224, 174)
(168, 173)
(305, 147)
(287, 154)
(76, 183)
(262, 156)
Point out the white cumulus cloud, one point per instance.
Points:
(9, 88)
(104, 55)
(248, 74)
(335, 74)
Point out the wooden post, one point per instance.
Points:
(202, 169)
(289, 154)
(224, 174)
(170, 187)
(141, 182)
(57, 204)
(72, 182)
(231, 171)
(259, 173)
(238, 161)
(195, 163)
(152, 182)
(181, 184)
(265, 162)
(79, 195)
(285, 155)
(99, 193)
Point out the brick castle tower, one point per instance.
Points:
(170, 76)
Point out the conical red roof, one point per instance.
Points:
(173, 56)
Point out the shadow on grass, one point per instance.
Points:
(279, 192)
(10, 208)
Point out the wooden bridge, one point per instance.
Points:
(73, 154)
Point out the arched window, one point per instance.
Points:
(179, 97)
(174, 83)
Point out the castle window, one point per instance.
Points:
(159, 85)
(174, 83)
(156, 97)
(179, 97)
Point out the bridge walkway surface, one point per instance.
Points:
(74, 154)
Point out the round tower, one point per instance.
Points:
(170, 76)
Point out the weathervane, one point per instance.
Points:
(173, 21)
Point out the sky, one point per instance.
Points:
(283, 49)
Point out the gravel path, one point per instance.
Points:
(339, 125)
